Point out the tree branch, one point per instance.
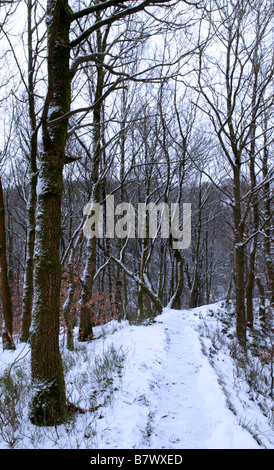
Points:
(121, 14)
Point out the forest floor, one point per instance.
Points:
(178, 382)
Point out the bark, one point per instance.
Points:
(162, 272)
(237, 209)
(121, 273)
(48, 405)
(239, 260)
(141, 289)
(8, 342)
(144, 299)
(193, 299)
(111, 275)
(68, 304)
(240, 294)
(267, 215)
(250, 284)
(87, 281)
(254, 199)
(176, 299)
(262, 295)
(28, 279)
(67, 308)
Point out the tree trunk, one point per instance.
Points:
(267, 215)
(239, 260)
(87, 281)
(67, 307)
(254, 199)
(240, 294)
(28, 279)
(5, 288)
(112, 291)
(48, 406)
(195, 283)
(29, 265)
(121, 274)
(250, 284)
(176, 300)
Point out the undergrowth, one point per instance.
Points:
(92, 379)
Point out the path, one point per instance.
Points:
(170, 396)
(188, 406)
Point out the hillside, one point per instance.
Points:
(169, 384)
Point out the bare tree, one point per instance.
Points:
(49, 401)
(233, 114)
(8, 342)
(33, 172)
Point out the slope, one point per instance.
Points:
(170, 396)
(147, 386)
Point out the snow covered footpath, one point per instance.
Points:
(170, 397)
(165, 394)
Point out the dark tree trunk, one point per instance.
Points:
(5, 288)
(87, 281)
(254, 200)
(176, 300)
(239, 260)
(267, 173)
(48, 406)
(28, 280)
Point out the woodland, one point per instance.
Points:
(149, 101)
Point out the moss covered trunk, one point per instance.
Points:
(48, 406)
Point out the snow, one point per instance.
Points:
(165, 395)
(171, 394)
(41, 186)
